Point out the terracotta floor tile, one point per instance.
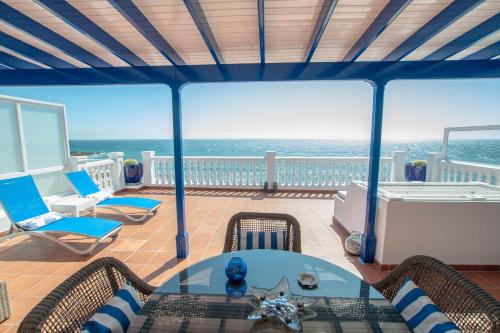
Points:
(20, 307)
(23, 283)
(494, 292)
(480, 281)
(492, 277)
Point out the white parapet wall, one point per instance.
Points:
(456, 222)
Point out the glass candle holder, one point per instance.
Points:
(236, 269)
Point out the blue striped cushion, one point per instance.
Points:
(117, 314)
(420, 313)
(248, 240)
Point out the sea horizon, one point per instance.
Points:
(473, 150)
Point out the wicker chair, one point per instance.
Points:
(74, 301)
(246, 221)
(466, 304)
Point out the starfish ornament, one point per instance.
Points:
(279, 303)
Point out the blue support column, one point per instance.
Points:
(181, 239)
(368, 240)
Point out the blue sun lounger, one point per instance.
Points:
(85, 187)
(30, 216)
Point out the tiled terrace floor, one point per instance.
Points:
(33, 267)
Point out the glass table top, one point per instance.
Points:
(197, 299)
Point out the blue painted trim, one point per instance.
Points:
(194, 8)
(323, 20)
(438, 23)
(262, 34)
(136, 18)
(369, 240)
(25, 23)
(15, 62)
(488, 52)
(2, 66)
(182, 242)
(83, 24)
(381, 70)
(381, 22)
(32, 52)
(467, 39)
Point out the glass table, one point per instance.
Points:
(198, 299)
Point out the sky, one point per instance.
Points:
(414, 110)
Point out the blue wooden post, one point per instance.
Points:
(368, 240)
(181, 239)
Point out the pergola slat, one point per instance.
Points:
(323, 19)
(386, 16)
(262, 41)
(130, 11)
(80, 22)
(446, 17)
(15, 62)
(460, 43)
(488, 52)
(32, 52)
(201, 22)
(25, 23)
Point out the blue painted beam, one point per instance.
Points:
(262, 34)
(15, 62)
(323, 20)
(196, 12)
(181, 239)
(368, 239)
(32, 52)
(437, 24)
(80, 22)
(379, 24)
(467, 39)
(488, 52)
(25, 23)
(377, 70)
(136, 18)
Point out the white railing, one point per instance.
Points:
(442, 170)
(107, 174)
(310, 173)
(206, 172)
(325, 172)
(457, 171)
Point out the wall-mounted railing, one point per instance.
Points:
(441, 170)
(107, 173)
(306, 173)
(325, 172)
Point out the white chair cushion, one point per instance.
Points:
(39, 221)
(100, 196)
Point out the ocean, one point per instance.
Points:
(480, 151)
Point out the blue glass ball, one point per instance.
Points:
(236, 289)
(236, 269)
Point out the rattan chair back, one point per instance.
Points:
(251, 221)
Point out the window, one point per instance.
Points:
(33, 141)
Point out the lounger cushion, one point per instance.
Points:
(117, 314)
(37, 222)
(420, 313)
(275, 240)
(100, 196)
(143, 203)
(85, 226)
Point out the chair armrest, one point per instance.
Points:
(75, 300)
